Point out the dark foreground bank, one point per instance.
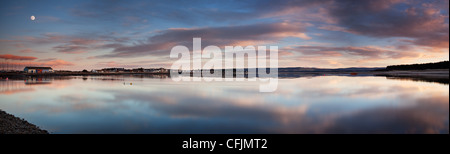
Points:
(10, 124)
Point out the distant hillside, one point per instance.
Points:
(351, 69)
(304, 69)
(438, 65)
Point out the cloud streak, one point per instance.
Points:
(51, 63)
(14, 57)
(367, 52)
(220, 36)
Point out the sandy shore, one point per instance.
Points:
(10, 124)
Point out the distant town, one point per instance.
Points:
(45, 70)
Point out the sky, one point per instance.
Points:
(94, 34)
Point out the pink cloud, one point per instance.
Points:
(80, 41)
(335, 28)
(58, 63)
(51, 63)
(65, 44)
(118, 64)
(14, 57)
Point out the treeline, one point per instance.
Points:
(438, 65)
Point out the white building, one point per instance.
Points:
(38, 70)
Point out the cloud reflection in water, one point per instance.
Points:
(315, 105)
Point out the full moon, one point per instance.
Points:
(32, 17)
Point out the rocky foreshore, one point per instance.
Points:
(9, 124)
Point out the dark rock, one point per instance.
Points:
(9, 124)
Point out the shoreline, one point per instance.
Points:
(74, 74)
(429, 73)
(10, 124)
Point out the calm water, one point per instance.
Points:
(325, 104)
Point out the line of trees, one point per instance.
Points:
(438, 65)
